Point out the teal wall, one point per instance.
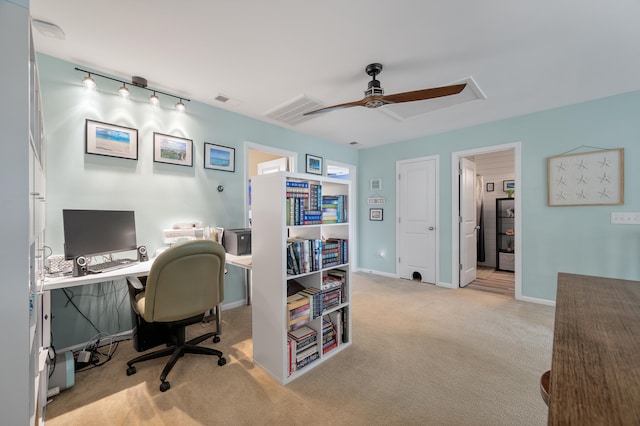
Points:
(160, 194)
(568, 239)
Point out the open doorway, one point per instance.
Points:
(260, 159)
(491, 262)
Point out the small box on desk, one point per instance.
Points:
(237, 241)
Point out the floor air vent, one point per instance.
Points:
(291, 111)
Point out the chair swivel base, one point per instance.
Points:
(176, 352)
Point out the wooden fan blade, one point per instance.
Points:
(340, 106)
(424, 94)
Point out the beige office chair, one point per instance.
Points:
(183, 284)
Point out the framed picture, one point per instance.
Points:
(591, 178)
(172, 150)
(375, 185)
(111, 140)
(375, 214)
(314, 164)
(490, 187)
(508, 185)
(218, 157)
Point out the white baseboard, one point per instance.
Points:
(236, 304)
(537, 300)
(123, 335)
(371, 271)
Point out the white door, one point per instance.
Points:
(468, 227)
(417, 219)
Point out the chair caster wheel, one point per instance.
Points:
(216, 339)
(131, 370)
(222, 361)
(165, 386)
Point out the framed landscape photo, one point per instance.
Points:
(218, 157)
(508, 185)
(172, 150)
(314, 164)
(111, 140)
(375, 214)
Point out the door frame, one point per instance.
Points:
(455, 209)
(399, 163)
(293, 166)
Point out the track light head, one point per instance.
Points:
(88, 82)
(154, 100)
(180, 106)
(123, 91)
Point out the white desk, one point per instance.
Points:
(140, 269)
(137, 269)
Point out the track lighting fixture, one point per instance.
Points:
(139, 82)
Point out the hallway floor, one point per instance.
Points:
(488, 279)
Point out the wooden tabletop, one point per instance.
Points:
(595, 367)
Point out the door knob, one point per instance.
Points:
(431, 228)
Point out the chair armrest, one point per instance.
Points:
(135, 283)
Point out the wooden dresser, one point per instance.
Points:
(595, 368)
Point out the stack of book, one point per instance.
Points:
(334, 209)
(329, 340)
(303, 348)
(298, 311)
(335, 278)
(331, 298)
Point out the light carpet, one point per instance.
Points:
(421, 355)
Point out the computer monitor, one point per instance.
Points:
(95, 232)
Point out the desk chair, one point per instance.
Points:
(183, 284)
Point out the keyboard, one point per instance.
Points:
(110, 265)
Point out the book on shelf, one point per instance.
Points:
(303, 255)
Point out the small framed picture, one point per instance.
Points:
(490, 187)
(375, 214)
(375, 185)
(314, 164)
(508, 185)
(218, 157)
(111, 140)
(172, 150)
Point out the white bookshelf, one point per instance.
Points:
(269, 271)
(22, 189)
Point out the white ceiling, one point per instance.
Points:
(525, 55)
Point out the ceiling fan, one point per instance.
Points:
(374, 96)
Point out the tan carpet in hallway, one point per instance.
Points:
(422, 355)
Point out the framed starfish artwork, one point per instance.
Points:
(593, 178)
